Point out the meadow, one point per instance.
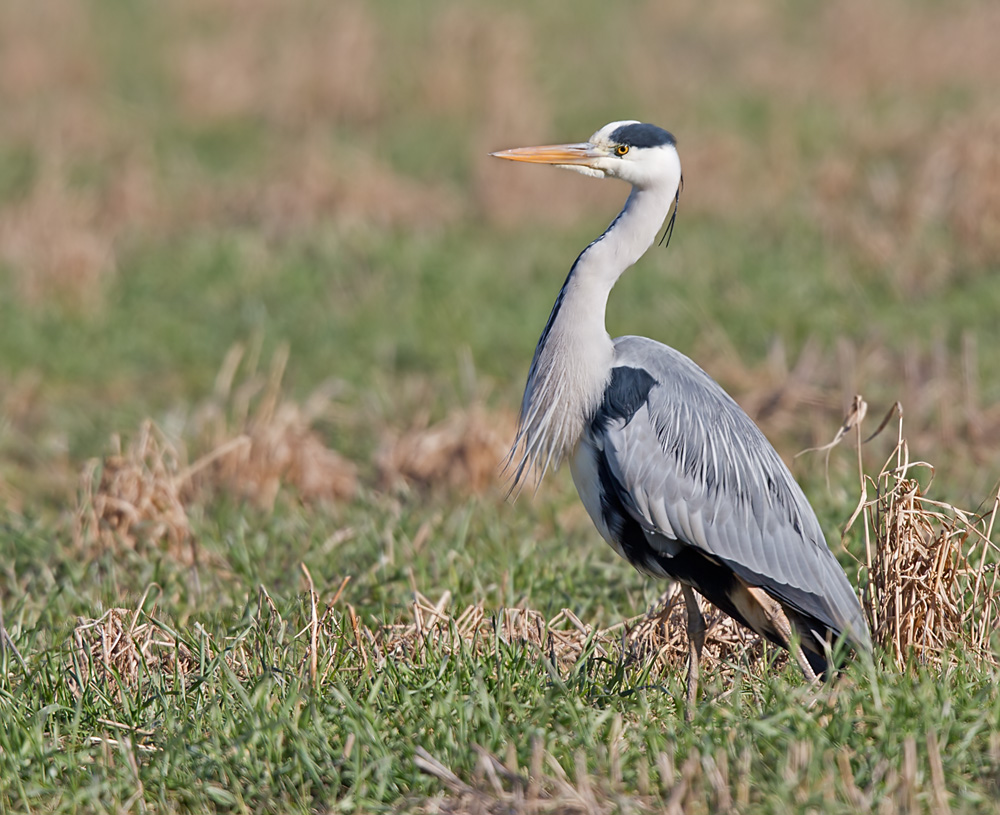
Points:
(266, 307)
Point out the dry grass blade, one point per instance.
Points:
(856, 415)
(313, 625)
(498, 789)
(426, 763)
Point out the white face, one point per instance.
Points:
(640, 166)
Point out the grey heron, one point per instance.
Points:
(674, 474)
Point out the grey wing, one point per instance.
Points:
(694, 469)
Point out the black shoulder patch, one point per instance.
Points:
(642, 135)
(625, 394)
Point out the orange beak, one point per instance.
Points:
(582, 153)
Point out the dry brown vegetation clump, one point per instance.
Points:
(134, 497)
(462, 452)
(661, 634)
(256, 440)
(121, 646)
(933, 574)
(126, 647)
(562, 639)
(657, 639)
(930, 571)
(253, 441)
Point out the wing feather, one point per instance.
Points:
(695, 469)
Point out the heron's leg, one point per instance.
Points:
(777, 617)
(806, 668)
(696, 641)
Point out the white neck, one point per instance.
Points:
(573, 360)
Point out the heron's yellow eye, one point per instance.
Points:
(621, 149)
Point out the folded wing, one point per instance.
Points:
(690, 467)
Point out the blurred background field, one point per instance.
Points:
(180, 177)
(271, 227)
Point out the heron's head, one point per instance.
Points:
(642, 154)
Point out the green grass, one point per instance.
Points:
(259, 737)
(773, 249)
